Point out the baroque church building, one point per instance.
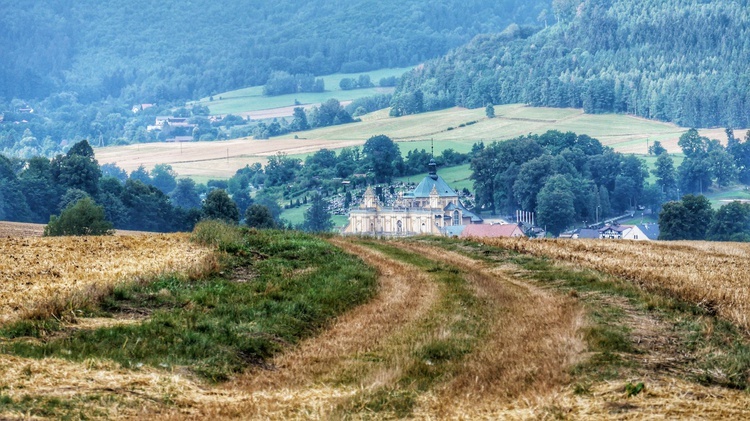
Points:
(431, 208)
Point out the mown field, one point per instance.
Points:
(221, 159)
(292, 326)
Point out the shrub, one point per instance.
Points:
(82, 218)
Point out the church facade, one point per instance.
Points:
(433, 208)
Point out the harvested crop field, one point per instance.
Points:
(20, 229)
(39, 272)
(712, 274)
(455, 330)
(24, 229)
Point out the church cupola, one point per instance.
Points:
(433, 169)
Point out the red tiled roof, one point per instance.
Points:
(487, 230)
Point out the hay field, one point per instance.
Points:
(42, 275)
(712, 274)
(221, 159)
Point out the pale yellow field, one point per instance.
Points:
(221, 159)
(710, 273)
(42, 274)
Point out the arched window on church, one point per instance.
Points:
(456, 218)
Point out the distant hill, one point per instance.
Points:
(680, 61)
(146, 51)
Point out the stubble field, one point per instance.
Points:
(489, 329)
(448, 128)
(39, 276)
(712, 274)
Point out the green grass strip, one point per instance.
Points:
(292, 284)
(437, 344)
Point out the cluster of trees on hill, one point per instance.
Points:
(693, 218)
(34, 189)
(562, 177)
(680, 61)
(707, 163)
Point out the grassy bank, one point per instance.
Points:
(274, 288)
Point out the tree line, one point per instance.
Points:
(562, 177)
(35, 189)
(62, 120)
(693, 218)
(677, 61)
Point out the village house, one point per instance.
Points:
(492, 231)
(431, 208)
(643, 232)
(616, 231)
(167, 123)
(140, 107)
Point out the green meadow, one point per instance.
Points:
(252, 98)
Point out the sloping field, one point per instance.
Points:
(222, 158)
(38, 275)
(251, 101)
(458, 330)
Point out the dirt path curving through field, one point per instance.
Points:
(295, 383)
(534, 338)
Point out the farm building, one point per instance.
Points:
(433, 207)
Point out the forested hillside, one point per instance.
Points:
(155, 51)
(683, 61)
(73, 70)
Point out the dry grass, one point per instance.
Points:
(519, 369)
(105, 388)
(714, 275)
(20, 229)
(662, 398)
(43, 276)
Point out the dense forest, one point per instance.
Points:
(148, 51)
(682, 61)
(73, 70)
(567, 178)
